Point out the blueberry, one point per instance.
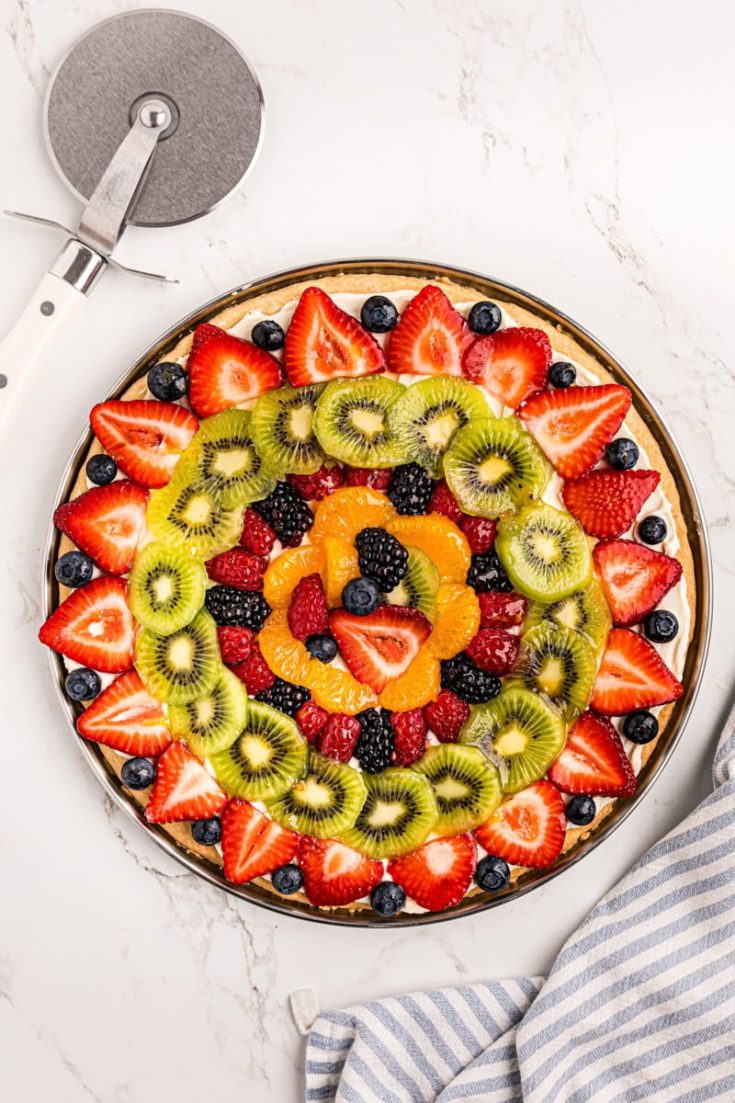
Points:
(138, 773)
(622, 454)
(82, 684)
(287, 879)
(581, 810)
(101, 469)
(562, 374)
(652, 530)
(378, 314)
(167, 381)
(640, 727)
(73, 569)
(387, 898)
(661, 626)
(484, 318)
(268, 335)
(207, 832)
(361, 596)
(492, 874)
(322, 647)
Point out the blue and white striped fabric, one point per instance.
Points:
(640, 1004)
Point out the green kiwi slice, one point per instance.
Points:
(398, 813)
(519, 733)
(430, 413)
(187, 514)
(584, 611)
(466, 785)
(493, 466)
(183, 665)
(224, 458)
(559, 664)
(545, 552)
(418, 586)
(265, 759)
(213, 722)
(165, 588)
(324, 803)
(353, 423)
(283, 430)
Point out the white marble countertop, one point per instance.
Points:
(576, 149)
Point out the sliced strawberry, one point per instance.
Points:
(146, 438)
(126, 718)
(430, 337)
(183, 789)
(593, 760)
(106, 522)
(438, 874)
(632, 676)
(379, 647)
(334, 873)
(528, 828)
(308, 614)
(512, 363)
(323, 343)
(634, 578)
(252, 844)
(606, 503)
(94, 626)
(225, 371)
(574, 426)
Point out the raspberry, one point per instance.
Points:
(381, 557)
(234, 644)
(239, 607)
(485, 574)
(239, 568)
(284, 696)
(255, 673)
(442, 501)
(480, 533)
(374, 748)
(465, 678)
(410, 736)
(502, 610)
(257, 535)
(311, 719)
(494, 650)
(287, 513)
(338, 737)
(316, 487)
(410, 489)
(447, 716)
(308, 614)
(378, 478)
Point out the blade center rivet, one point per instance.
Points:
(47, 308)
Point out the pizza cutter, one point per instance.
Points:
(152, 119)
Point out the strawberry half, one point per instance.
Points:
(145, 438)
(606, 503)
(512, 363)
(126, 718)
(94, 626)
(323, 343)
(632, 676)
(252, 844)
(593, 760)
(430, 337)
(225, 371)
(183, 789)
(107, 523)
(336, 874)
(528, 828)
(379, 647)
(574, 426)
(634, 578)
(438, 874)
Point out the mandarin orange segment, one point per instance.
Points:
(338, 691)
(456, 621)
(340, 567)
(287, 657)
(348, 511)
(416, 686)
(439, 538)
(283, 574)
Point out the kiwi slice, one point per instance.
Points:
(585, 611)
(559, 664)
(518, 732)
(265, 759)
(430, 413)
(419, 584)
(353, 423)
(189, 515)
(213, 722)
(227, 460)
(466, 785)
(182, 666)
(165, 588)
(493, 466)
(283, 430)
(545, 552)
(398, 813)
(323, 803)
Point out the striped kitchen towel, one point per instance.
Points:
(639, 1005)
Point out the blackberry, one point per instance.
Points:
(486, 574)
(284, 696)
(466, 679)
(410, 488)
(381, 557)
(374, 748)
(287, 514)
(241, 608)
